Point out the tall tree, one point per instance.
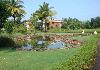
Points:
(4, 12)
(97, 22)
(44, 13)
(16, 9)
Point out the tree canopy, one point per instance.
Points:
(4, 12)
(71, 23)
(44, 13)
(16, 10)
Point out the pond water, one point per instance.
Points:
(40, 42)
(56, 45)
(27, 47)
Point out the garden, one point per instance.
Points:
(43, 43)
(76, 57)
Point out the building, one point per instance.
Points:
(55, 24)
(52, 24)
(28, 25)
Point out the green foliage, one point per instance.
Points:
(8, 26)
(44, 13)
(95, 22)
(83, 59)
(20, 43)
(33, 42)
(4, 12)
(15, 8)
(71, 23)
(76, 24)
(87, 24)
(19, 28)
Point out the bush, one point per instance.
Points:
(20, 28)
(6, 42)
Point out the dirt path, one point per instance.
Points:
(97, 62)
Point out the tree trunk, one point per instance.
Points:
(14, 18)
(45, 27)
(41, 25)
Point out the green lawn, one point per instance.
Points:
(29, 60)
(61, 59)
(84, 59)
(73, 31)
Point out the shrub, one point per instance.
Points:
(20, 29)
(6, 42)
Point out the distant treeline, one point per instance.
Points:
(74, 23)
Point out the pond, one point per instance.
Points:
(56, 45)
(53, 45)
(27, 47)
(38, 42)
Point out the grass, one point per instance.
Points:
(83, 59)
(62, 59)
(53, 31)
(73, 31)
(25, 60)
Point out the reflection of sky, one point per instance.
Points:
(81, 9)
(40, 42)
(59, 44)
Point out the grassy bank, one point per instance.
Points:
(83, 59)
(30, 60)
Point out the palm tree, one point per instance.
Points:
(16, 9)
(44, 13)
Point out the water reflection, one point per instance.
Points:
(56, 45)
(40, 42)
(27, 47)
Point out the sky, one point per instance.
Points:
(80, 9)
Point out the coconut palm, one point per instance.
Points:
(44, 13)
(16, 9)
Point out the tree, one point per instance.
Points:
(71, 23)
(19, 18)
(44, 13)
(95, 22)
(4, 12)
(65, 23)
(16, 9)
(87, 24)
